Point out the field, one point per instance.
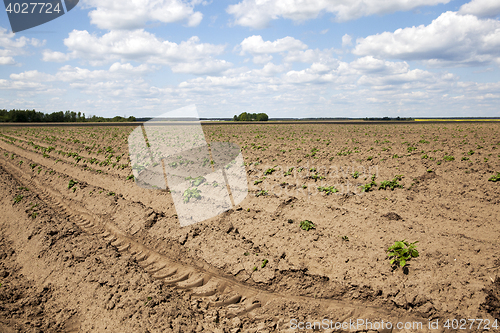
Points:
(85, 249)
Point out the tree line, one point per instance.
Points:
(32, 116)
(251, 117)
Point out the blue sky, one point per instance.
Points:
(287, 58)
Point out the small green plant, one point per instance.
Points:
(495, 178)
(465, 158)
(258, 181)
(111, 193)
(368, 187)
(289, 172)
(72, 183)
(448, 158)
(191, 193)
(328, 189)
(355, 175)
(261, 192)
(471, 152)
(130, 177)
(18, 198)
(369, 158)
(401, 252)
(246, 254)
(254, 268)
(21, 163)
(269, 171)
(392, 184)
(307, 225)
(345, 238)
(23, 188)
(264, 263)
(34, 215)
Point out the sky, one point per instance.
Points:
(286, 58)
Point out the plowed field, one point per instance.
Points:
(83, 248)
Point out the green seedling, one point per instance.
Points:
(111, 193)
(401, 252)
(495, 178)
(289, 172)
(392, 184)
(34, 215)
(246, 254)
(254, 268)
(328, 190)
(71, 183)
(191, 193)
(18, 198)
(345, 238)
(23, 188)
(269, 171)
(368, 187)
(355, 175)
(448, 158)
(258, 181)
(130, 177)
(196, 181)
(264, 263)
(307, 225)
(262, 192)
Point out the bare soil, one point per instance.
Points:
(106, 255)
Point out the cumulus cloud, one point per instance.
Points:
(131, 14)
(481, 8)
(256, 45)
(346, 40)
(309, 56)
(189, 56)
(11, 47)
(451, 39)
(258, 13)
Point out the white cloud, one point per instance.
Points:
(55, 56)
(258, 13)
(132, 14)
(256, 45)
(262, 58)
(189, 56)
(451, 39)
(7, 61)
(309, 56)
(481, 8)
(11, 47)
(346, 40)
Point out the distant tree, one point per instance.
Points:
(251, 117)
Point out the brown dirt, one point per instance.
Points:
(111, 256)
